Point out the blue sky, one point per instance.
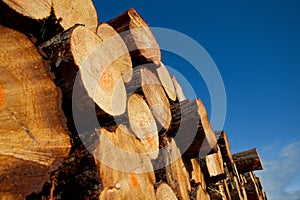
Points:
(256, 47)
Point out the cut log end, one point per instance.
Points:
(156, 98)
(35, 9)
(117, 49)
(165, 192)
(83, 12)
(143, 124)
(33, 135)
(166, 81)
(102, 80)
(140, 41)
(1, 97)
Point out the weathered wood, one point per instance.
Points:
(110, 194)
(224, 146)
(143, 124)
(79, 49)
(191, 129)
(146, 82)
(33, 18)
(254, 192)
(247, 161)
(138, 37)
(35, 9)
(196, 174)
(176, 173)
(178, 89)
(164, 192)
(121, 57)
(235, 188)
(166, 81)
(213, 167)
(202, 194)
(123, 165)
(33, 134)
(71, 12)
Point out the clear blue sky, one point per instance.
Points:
(256, 47)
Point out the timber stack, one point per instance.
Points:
(90, 111)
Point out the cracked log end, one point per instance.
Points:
(33, 135)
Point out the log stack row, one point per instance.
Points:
(89, 111)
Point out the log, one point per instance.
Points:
(79, 49)
(110, 193)
(143, 124)
(121, 57)
(33, 134)
(176, 173)
(164, 192)
(235, 187)
(224, 146)
(213, 167)
(196, 174)
(34, 9)
(33, 18)
(71, 12)
(202, 194)
(191, 129)
(138, 37)
(178, 89)
(247, 161)
(144, 81)
(166, 81)
(252, 189)
(124, 165)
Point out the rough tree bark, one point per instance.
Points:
(191, 129)
(138, 37)
(247, 161)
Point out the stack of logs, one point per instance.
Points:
(61, 71)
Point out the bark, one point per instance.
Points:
(33, 134)
(191, 129)
(138, 37)
(33, 18)
(247, 161)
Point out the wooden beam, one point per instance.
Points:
(247, 161)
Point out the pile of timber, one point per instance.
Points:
(60, 70)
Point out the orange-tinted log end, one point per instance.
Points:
(1, 97)
(134, 180)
